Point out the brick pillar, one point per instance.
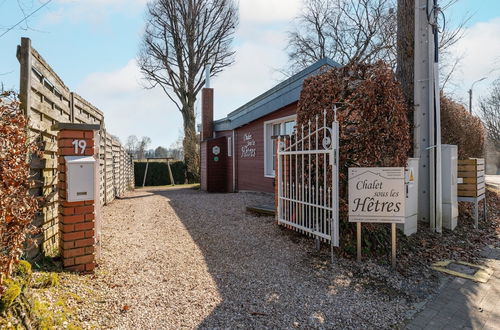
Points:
(76, 218)
(207, 113)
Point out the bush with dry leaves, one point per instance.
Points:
(461, 128)
(17, 206)
(374, 129)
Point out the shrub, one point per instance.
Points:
(158, 173)
(374, 128)
(461, 128)
(11, 291)
(23, 269)
(22, 273)
(46, 280)
(17, 207)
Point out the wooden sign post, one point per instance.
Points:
(377, 195)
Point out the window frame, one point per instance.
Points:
(269, 172)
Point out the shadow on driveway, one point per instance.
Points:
(270, 277)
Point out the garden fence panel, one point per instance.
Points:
(46, 100)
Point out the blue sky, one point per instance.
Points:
(92, 44)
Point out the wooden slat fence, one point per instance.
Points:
(46, 100)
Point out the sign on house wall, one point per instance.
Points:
(377, 194)
(248, 148)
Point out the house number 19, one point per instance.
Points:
(80, 146)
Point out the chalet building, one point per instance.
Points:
(237, 152)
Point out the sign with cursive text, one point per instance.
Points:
(248, 148)
(377, 194)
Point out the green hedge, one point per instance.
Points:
(158, 173)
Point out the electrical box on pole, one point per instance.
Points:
(427, 123)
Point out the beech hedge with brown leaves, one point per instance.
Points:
(461, 128)
(374, 127)
(17, 206)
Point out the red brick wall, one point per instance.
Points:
(207, 113)
(250, 170)
(76, 219)
(203, 165)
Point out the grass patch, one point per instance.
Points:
(34, 300)
(46, 280)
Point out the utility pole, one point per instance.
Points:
(427, 119)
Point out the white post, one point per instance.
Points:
(279, 178)
(427, 134)
(207, 75)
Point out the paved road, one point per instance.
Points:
(493, 180)
(464, 304)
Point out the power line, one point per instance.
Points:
(25, 18)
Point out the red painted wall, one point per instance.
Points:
(216, 165)
(229, 161)
(250, 170)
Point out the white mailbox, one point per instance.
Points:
(80, 177)
(411, 207)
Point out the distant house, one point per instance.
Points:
(237, 152)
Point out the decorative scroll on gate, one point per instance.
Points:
(308, 180)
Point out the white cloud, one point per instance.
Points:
(95, 11)
(260, 43)
(92, 11)
(481, 49)
(266, 11)
(131, 110)
(253, 73)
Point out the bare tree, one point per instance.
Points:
(180, 40)
(405, 49)
(364, 31)
(137, 148)
(142, 147)
(344, 30)
(132, 145)
(27, 9)
(175, 149)
(405, 67)
(490, 114)
(161, 152)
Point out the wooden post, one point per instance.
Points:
(72, 106)
(170, 173)
(24, 57)
(358, 238)
(145, 173)
(393, 245)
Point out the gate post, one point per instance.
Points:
(78, 195)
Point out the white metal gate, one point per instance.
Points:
(308, 180)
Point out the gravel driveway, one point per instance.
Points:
(181, 258)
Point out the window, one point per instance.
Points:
(282, 126)
(229, 146)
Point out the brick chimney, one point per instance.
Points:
(207, 113)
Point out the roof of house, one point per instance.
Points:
(276, 98)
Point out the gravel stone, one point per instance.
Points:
(182, 259)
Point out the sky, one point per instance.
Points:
(93, 44)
